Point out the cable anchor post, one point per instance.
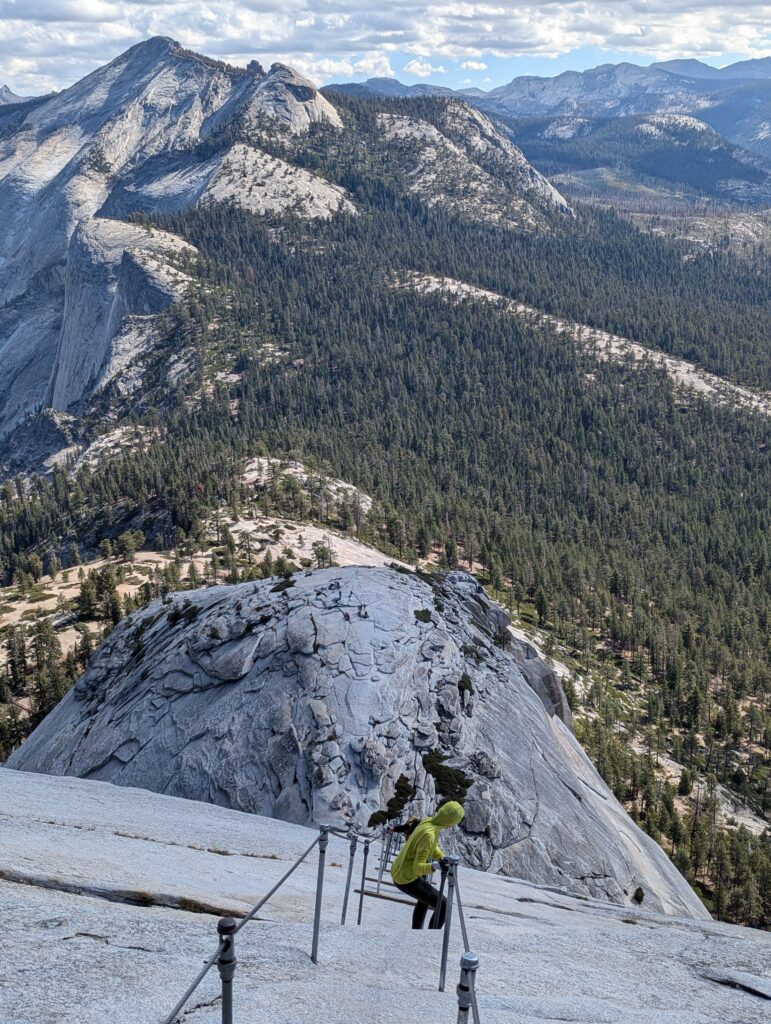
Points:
(469, 963)
(323, 843)
(349, 877)
(453, 862)
(226, 964)
(363, 881)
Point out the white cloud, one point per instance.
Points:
(50, 43)
(329, 69)
(423, 68)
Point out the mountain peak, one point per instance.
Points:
(691, 67)
(156, 47)
(291, 98)
(7, 97)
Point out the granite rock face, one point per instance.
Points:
(135, 135)
(118, 276)
(111, 895)
(307, 699)
(463, 163)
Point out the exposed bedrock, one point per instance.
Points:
(307, 699)
(117, 274)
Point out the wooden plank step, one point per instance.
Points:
(382, 896)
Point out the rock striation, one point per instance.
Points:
(310, 698)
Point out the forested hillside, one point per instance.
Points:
(676, 157)
(629, 521)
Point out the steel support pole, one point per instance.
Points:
(464, 933)
(469, 963)
(461, 915)
(363, 880)
(226, 965)
(453, 862)
(323, 842)
(437, 908)
(385, 849)
(351, 858)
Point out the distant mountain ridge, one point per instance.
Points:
(7, 97)
(758, 68)
(735, 100)
(667, 157)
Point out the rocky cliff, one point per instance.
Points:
(125, 138)
(118, 276)
(310, 698)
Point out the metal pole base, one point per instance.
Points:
(323, 843)
(469, 963)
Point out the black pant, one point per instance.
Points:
(427, 897)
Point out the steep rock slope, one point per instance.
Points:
(130, 137)
(160, 129)
(76, 855)
(308, 699)
(118, 276)
(463, 163)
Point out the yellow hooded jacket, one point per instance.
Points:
(422, 847)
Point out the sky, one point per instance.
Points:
(49, 44)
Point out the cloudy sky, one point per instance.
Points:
(48, 44)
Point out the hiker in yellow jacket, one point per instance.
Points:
(415, 860)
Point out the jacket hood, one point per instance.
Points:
(448, 814)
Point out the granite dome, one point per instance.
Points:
(307, 699)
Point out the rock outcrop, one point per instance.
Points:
(308, 699)
(461, 162)
(118, 277)
(292, 99)
(7, 97)
(132, 136)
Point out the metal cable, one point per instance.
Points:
(255, 909)
(276, 887)
(206, 968)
